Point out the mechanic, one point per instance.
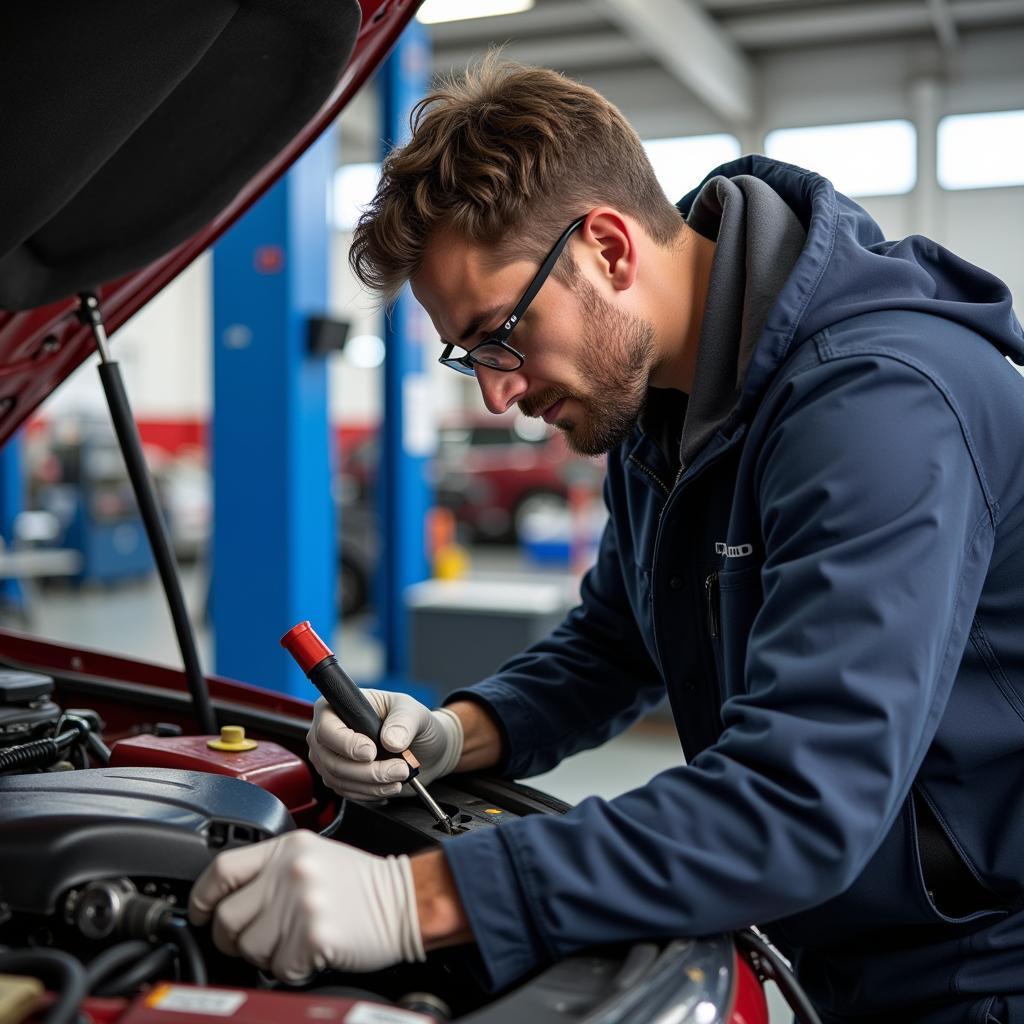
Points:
(815, 481)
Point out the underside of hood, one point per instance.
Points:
(134, 133)
(128, 126)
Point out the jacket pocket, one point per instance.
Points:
(891, 905)
(950, 884)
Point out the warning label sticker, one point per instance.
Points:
(212, 1002)
(374, 1013)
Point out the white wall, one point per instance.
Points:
(987, 227)
(165, 355)
(355, 392)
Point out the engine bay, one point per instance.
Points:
(110, 810)
(104, 834)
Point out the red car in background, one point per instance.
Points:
(493, 472)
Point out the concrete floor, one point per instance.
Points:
(132, 619)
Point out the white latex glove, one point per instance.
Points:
(300, 903)
(344, 758)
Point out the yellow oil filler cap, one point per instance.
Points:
(232, 737)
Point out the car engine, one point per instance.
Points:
(106, 827)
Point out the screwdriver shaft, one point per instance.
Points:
(432, 805)
(349, 703)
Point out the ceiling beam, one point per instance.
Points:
(573, 53)
(692, 48)
(723, 6)
(945, 25)
(866, 20)
(796, 28)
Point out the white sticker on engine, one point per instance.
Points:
(209, 1001)
(374, 1013)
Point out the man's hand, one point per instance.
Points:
(345, 759)
(301, 903)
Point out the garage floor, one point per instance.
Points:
(132, 619)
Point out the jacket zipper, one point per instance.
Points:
(661, 483)
(711, 583)
(918, 794)
(657, 543)
(650, 472)
(711, 589)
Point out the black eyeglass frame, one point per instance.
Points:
(467, 362)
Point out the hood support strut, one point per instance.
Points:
(90, 314)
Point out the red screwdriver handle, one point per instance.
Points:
(347, 701)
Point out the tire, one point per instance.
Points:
(353, 586)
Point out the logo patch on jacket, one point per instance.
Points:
(733, 550)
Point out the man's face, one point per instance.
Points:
(587, 362)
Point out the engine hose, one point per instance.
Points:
(336, 824)
(59, 971)
(770, 965)
(112, 959)
(176, 931)
(148, 968)
(36, 753)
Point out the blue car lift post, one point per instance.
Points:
(12, 501)
(274, 547)
(274, 557)
(408, 432)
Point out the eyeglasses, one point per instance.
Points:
(494, 351)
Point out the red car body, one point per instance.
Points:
(491, 471)
(494, 472)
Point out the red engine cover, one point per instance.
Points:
(269, 766)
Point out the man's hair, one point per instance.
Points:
(506, 157)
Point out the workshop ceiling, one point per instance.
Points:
(712, 47)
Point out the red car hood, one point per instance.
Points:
(134, 135)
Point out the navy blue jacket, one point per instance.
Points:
(832, 596)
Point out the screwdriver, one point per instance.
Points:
(349, 703)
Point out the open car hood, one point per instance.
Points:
(134, 135)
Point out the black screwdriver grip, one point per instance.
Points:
(349, 703)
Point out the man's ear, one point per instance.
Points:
(612, 241)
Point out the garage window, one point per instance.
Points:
(354, 186)
(981, 150)
(870, 158)
(682, 163)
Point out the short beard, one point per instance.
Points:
(616, 365)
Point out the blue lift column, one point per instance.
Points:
(274, 545)
(12, 501)
(408, 432)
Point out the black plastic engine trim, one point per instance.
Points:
(62, 829)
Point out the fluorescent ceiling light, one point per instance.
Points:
(365, 351)
(434, 11)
